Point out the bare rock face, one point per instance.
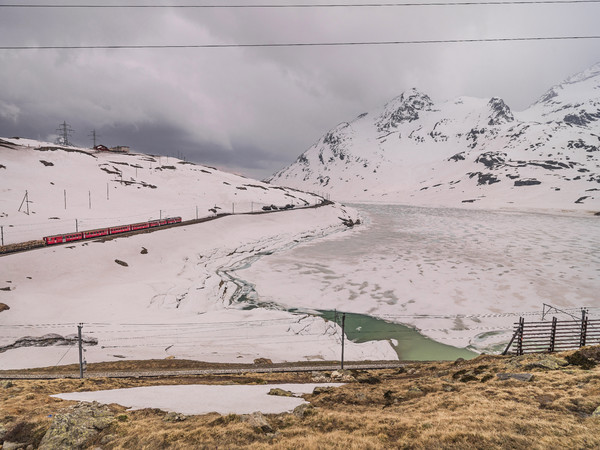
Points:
(76, 426)
(4, 307)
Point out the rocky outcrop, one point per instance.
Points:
(48, 340)
(77, 426)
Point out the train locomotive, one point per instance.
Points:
(90, 234)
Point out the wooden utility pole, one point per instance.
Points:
(79, 327)
(343, 335)
(26, 201)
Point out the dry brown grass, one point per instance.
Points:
(429, 405)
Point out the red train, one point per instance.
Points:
(62, 238)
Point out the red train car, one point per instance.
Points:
(95, 233)
(73, 237)
(119, 229)
(139, 226)
(49, 240)
(90, 234)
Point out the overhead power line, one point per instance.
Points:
(311, 5)
(294, 44)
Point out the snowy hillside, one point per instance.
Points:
(170, 293)
(99, 189)
(466, 151)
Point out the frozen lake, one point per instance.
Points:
(461, 277)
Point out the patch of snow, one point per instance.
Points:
(202, 399)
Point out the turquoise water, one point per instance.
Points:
(407, 342)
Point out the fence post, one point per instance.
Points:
(552, 335)
(584, 323)
(520, 336)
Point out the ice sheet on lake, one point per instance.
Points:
(461, 277)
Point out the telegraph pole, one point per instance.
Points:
(79, 327)
(26, 201)
(343, 334)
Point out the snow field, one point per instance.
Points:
(168, 300)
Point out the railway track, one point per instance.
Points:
(36, 244)
(158, 373)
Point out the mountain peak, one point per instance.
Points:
(404, 108)
(500, 112)
(575, 101)
(589, 77)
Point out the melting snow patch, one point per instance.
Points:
(201, 398)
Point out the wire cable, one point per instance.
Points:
(293, 44)
(306, 6)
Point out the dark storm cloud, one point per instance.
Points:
(256, 110)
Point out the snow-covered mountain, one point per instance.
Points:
(77, 187)
(467, 151)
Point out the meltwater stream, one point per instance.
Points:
(460, 277)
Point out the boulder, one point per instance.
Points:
(318, 377)
(342, 375)
(262, 361)
(75, 427)
(303, 410)
(546, 362)
(174, 417)
(515, 376)
(321, 390)
(596, 412)
(257, 421)
(280, 392)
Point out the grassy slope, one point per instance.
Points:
(427, 405)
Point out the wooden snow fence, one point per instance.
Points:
(554, 336)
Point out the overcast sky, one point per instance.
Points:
(254, 110)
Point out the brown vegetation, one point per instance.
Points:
(462, 404)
